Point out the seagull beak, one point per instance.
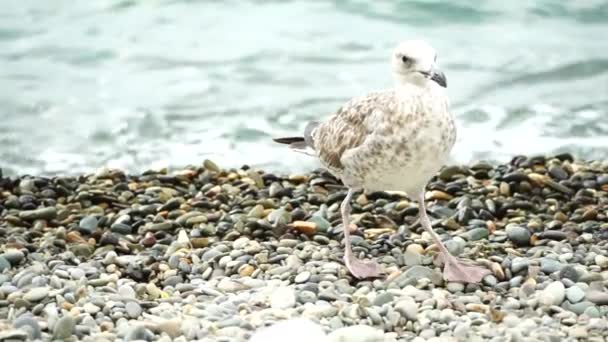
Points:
(436, 75)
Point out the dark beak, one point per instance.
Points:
(437, 76)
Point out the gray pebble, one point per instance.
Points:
(306, 297)
(356, 333)
(4, 264)
(88, 224)
(383, 298)
(302, 277)
(520, 236)
(64, 327)
(476, 234)
(126, 291)
(36, 294)
(47, 213)
(548, 265)
(575, 294)
(137, 333)
(14, 256)
(408, 308)
(133, 309)
(569, 272)
(29, 325)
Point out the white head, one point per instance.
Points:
(415, 62)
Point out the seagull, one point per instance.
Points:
(391, 140)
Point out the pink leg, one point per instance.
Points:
(454, 269)
(358, 268)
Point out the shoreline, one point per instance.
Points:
(214, 255)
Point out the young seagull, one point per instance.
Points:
(395, 139)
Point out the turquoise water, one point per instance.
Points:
(147, 84)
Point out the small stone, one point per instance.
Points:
(14, 256)
(91, 308)
(575, 294)
(356, 333)
(126, 291)
(306, 297)
(305, 227)
(553, 294)
(412, 259)
(133, 309)
(408, 308)
(29, 325)
(282, 298)
(438, 195)
(36, 294)
(13, 335)
(171, 327)
(246, 270)
(518, 264)
(476, 234)
(64, 328)
(414, 248)
(548, 265)
(415, 273)
(520, 236)
(322, 225)
(138, 333)
(383, 298)
(597, 297)
(47, 213)
(455, 287)
(455, 246)
(4, 264)
(601, 261)
(88, 225)
(302, 277)
(295, 329)
(569, 272)
(257, 211)
(578, 332)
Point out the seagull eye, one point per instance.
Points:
(405, 59)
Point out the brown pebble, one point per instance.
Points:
(305, 227)
(438, 195)
(199, 242)
(75, 237)
(246, 270)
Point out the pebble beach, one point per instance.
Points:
(212, 254)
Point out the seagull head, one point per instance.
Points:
(415, 62)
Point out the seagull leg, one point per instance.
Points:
(454, 269)
(358, 268)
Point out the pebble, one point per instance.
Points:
(210, 254)
(29, 325)
(4, 264)
(282, 298)
(302, 277)
(575, 294)
(126, 291)
(88, 225)
(64, 328)
(601, 261)
(133, 309)
(553, 294)
(13, 256)
(549, 266)
(47, 213)
(36, 294)
(408, 308)
(520, 236)
(356, 333)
